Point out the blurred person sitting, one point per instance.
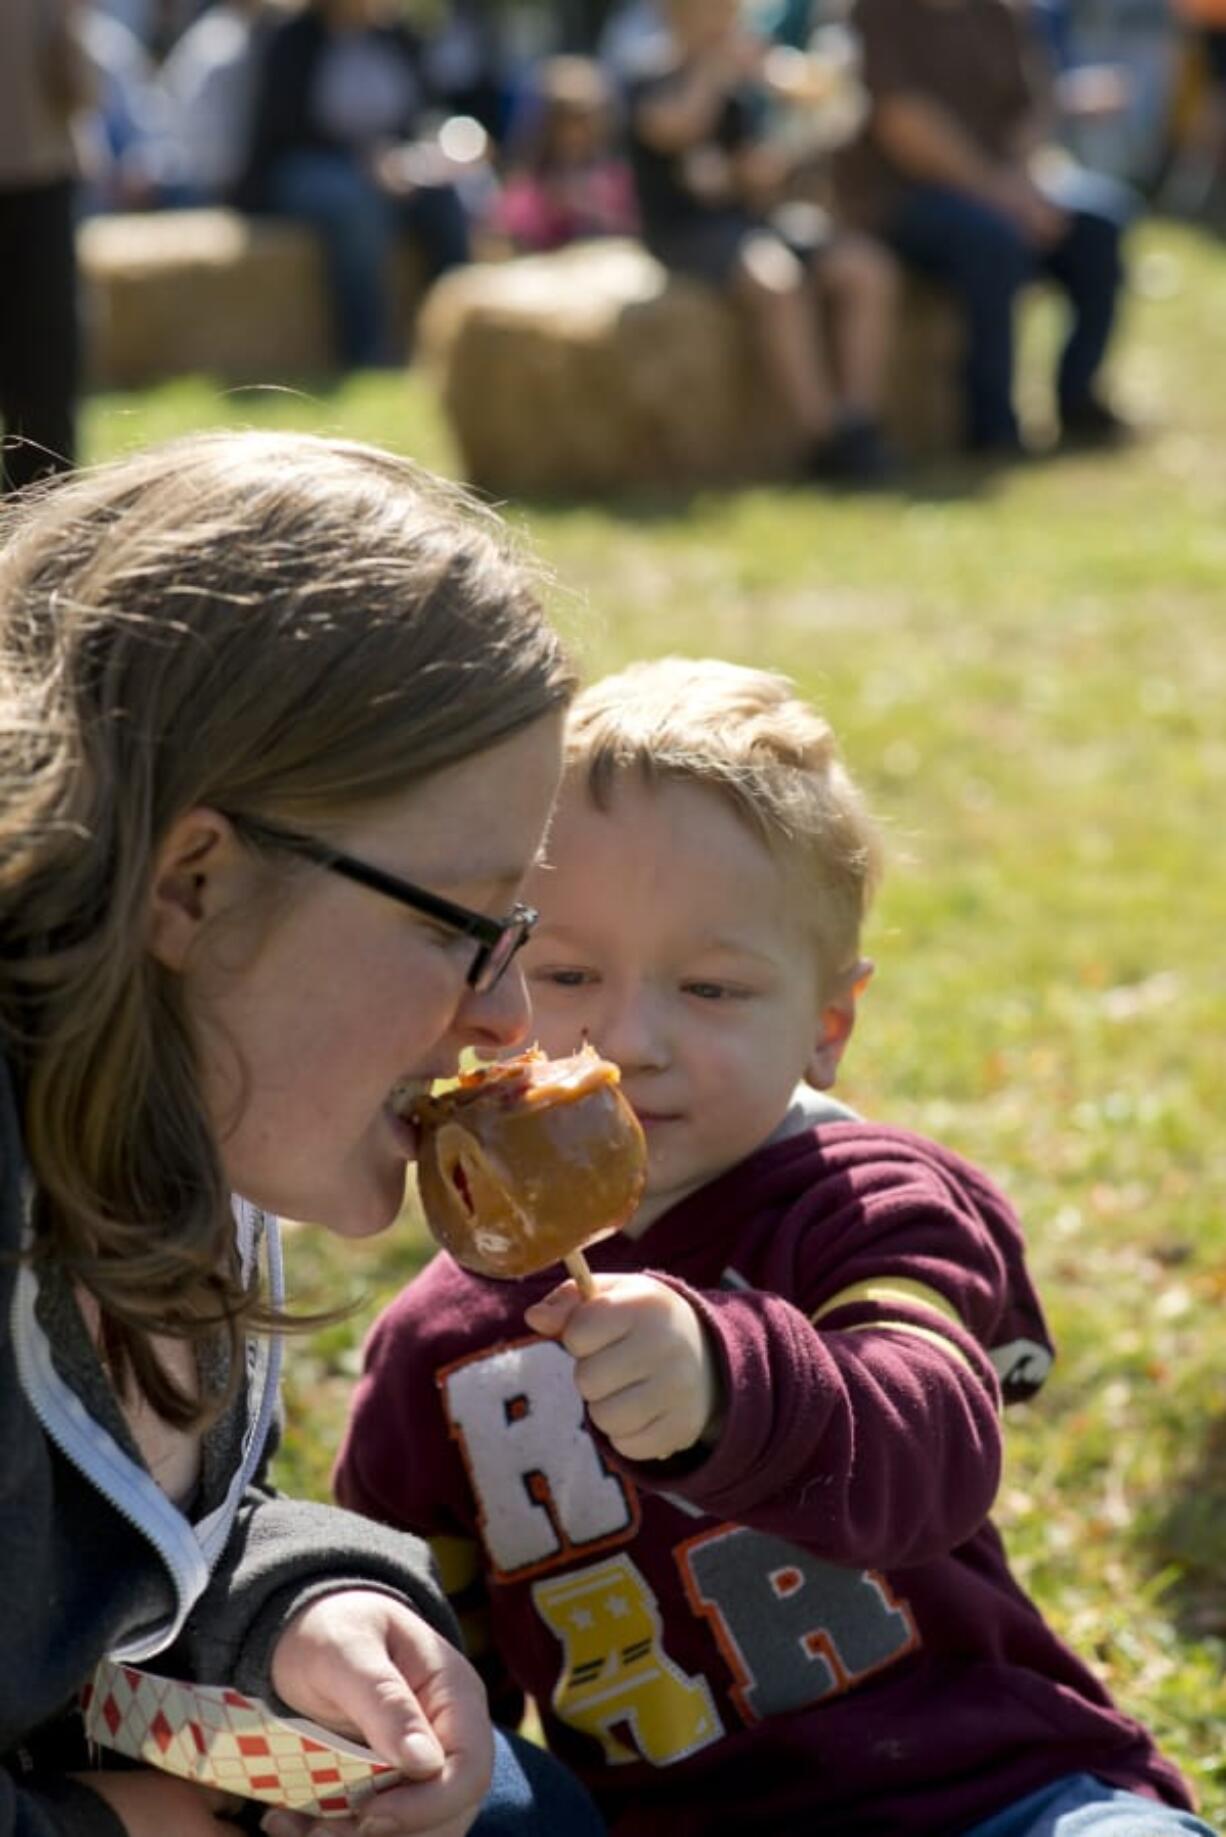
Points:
(1194, 182)
(339, 99)
(43, 81)
(566, 179)
(787, 22)
(633, 35)
(712, 193)
(156, 24)
(953, 169)
(467, 65)
(208, 86)
(1116, 70)
(122, 138)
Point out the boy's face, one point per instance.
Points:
(670, 940)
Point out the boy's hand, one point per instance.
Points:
(643, 1363)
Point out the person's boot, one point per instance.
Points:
(1089, 423)
(855, 457)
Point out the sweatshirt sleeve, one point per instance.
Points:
(283, 1553)
(862, 1407)
(878, 1446)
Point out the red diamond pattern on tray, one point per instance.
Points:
(218, 1736)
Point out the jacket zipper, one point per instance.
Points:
(187, 1557)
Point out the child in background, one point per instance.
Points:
(712, 193)
(727, 1521)
(567, 180)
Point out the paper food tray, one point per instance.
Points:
(219, 1737)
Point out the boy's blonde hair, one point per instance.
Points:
(749, 737)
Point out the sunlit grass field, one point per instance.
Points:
(1029, 676)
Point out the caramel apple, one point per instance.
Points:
(524, 1162)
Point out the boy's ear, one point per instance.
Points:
(186, 884)
(838, 1018)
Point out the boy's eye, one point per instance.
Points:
(710, 991)
(564, 978)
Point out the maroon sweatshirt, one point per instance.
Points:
(811, 1627)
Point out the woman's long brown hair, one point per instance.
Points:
(274, 625)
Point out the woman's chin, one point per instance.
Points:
(367, 1220)
(356, 1212)
(359, 1198)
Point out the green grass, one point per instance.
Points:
(1030, 679)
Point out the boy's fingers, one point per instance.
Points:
(608, 1370)
(588, 1325)
(549, 1315)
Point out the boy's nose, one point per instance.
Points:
(499, 1017)
(631, 1033)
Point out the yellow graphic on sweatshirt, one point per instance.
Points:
(615, 1674)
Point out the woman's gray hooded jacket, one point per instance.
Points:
(94, 1559)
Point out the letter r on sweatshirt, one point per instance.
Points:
(541, 1487)
(791, 1627)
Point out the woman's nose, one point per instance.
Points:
(498, 1017)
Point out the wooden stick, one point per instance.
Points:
(576, 1266)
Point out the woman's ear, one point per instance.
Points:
(190, 872)
(837, 1021)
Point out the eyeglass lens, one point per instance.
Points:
(493, 960)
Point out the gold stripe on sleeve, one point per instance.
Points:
(886, 1290)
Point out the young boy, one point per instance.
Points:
(727, 1521)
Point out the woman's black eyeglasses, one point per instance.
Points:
(497, 939)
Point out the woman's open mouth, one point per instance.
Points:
(401, 1108)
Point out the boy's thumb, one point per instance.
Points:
(549, 1315)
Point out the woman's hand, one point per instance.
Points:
(643, 1363)
(152, 1804)
(367, 1666)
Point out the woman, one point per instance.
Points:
(278, 739)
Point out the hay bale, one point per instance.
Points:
(924, 409)
(168, 292)
(594, 370)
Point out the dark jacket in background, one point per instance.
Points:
(284, 120)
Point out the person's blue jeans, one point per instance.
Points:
(358, 226)
(533, 1795)
(1081, 1806)
(983, 259)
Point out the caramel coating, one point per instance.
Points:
(527, 1161)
